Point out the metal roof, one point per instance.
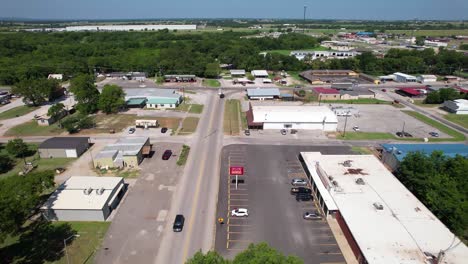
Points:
(259, 73)
(128, 146)
(136, 101)
(321, 90)
(401, 150)
(163, 101)
(64, 143)
(263, 92)
(293, 114)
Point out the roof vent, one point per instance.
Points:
(100, 191)
(360, 181)
(88, 191)
(347, 163)
(378, 206)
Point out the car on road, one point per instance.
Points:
(295, 190)
(221, 96)
(356, 128)
(293, 131)
(384, 90)
(283, 132)
(247, 132)
(298, 182)
(312, 216)
(240, 212)
(164, 130)
(399, 134)
(303, 197)
(178, 223)
(131, 130)
(167, 154)
(434, 134)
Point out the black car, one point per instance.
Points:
(164, 130)
(303, 197)
(178, 223)
(167, 154)
(296, 190)
(399, 134)
(406, 134)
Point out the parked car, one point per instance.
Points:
(247, 132)
(293, 131)
(131, 130)
(312, 215)
(178, 223)
(4, 102)
(295, 190)
(303, 197)
(356, 128)
(240, 212)
(406, 134)
(399, 134)
(298, 182)
(434, 134)
(384, 90)
(221, 96)
(283, 132)
(164, 130)
(167, 154)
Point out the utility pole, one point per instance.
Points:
(345, 123)
(303, 27)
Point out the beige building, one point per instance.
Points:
(353, 95)
(126, 152)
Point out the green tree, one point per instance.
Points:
(211, 257)
(420, 40)
(85, 92)
(112, 99)
(263, 253)
(75, 123)
(56, 111)
(6, 163)
(36, 91)
(19, 196)
(17, 148)
(212, 70)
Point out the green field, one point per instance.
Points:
(456, 136)
(361, 150)
(458, 119)
(231, 117)
(17, 111)
(31, 128)
(196, 108)
(211, 83)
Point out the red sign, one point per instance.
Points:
(236, 170)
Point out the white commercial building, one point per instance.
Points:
(292, 117)
(382, 221)
(84, 199)
(403, 78)
(237, 73)
(427, 78)
(259, 73)
(458, 106)
(436, 44)
(301, 54)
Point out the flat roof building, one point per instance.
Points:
(237, 73)
(326, 93)
(259, 73)
(381, 219)
(126, 152)
(291, 117)
(84, 199)
(63, 147)
(263, 93)
(427, 78)
(458, 106)
(403, 78)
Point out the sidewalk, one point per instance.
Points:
(342, 242)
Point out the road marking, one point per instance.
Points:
(239, 194)
(235, 199)
(328, 253)
(238, 225)
(240, 232)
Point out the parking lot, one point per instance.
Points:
(274, 214)
(384, 118)
(136, 229)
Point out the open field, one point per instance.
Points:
(231, 117)
(17, 111)
(431, 33)
(31, 128)
(456, 136)
(119, 122)
(361, 150)
(422, 104)
(459, 119)
(191, 108)
(211, 83)
(196, 108)
(189, 125)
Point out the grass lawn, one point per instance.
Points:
(183, 155)
(17, 111)
(358, 101)
(458, 119)
(31, 128)
(456, 136)
(196, 108)
(189, 125)
(211, 83)
(422, 104)
(231, 117)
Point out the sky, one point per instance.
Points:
(316, 9)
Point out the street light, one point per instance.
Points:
(65, 245)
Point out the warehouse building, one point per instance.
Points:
(152, 98)
(382, 221)
(356, 94)
(427, 78)
(458, 106)
(291, 117)
(162, 103)
(404, 78)
(63, 147)
(263, 94)
(84, 199)
(326, 93)
(126, 152)
(393, 154)
(180, 78)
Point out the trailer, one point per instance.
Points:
(146, 123)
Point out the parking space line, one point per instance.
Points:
(238, 194)
(236, 232)
(330, 253)
(238, 225)
(238, 199)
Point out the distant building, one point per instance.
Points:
(137, 76)
(142, 27)
(436, 44)
(152, 98)
(427, 78)
(382, 221)
(356, 94)
(180, 78)
(162, 103)
(55, 76)
(326, 93)
(126, 152)
(328, 76)
(313, 55)
(237, 73)
(291, 117)
(393, 154)
(410, 92)
(259, 73)
(84, 199)
(404, 78)
(63, 147)
(263, 93)
(458, 106)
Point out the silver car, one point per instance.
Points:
(298, 182)
(312, 216)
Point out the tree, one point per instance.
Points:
(56, 111)
(85, 92)
(17, 148)
(211, 257)
(36, 91)
(420, 40)
(6, 163)
(212, 70)
(112, 99)
(19, 196)
(75, 123)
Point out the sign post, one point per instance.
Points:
(236, 170)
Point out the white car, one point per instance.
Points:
(298, 182)
(240, 212)
(356, 128)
